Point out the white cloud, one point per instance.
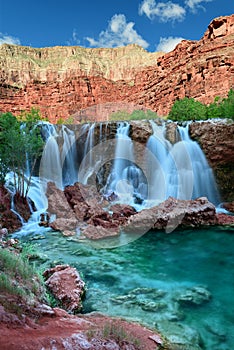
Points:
(119, 33)
(7, 39)
(166, 11)
(168, 44)
(74, 40)
(193, 5)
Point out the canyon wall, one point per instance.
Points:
(92, 83)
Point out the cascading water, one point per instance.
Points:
(58, 162)
(125, 179)
(157, 153)
(202, 175)
(86, 169)
(180, 170)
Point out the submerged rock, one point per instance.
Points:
(194, 296)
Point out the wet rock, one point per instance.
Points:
(228, 206)
(22, 206)
(140, 131)
(180, 336)
(172, 133)
(152, 306)
(66, 285)
(64, 224)
(172, 213)
(8, 219)
(195, 296)
(58, 206)
(99, 232)
(121, 212)
(224, 219)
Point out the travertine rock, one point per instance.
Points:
(170, 214)
(66, 285)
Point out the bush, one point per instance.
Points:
(187, 109)
(135, 115)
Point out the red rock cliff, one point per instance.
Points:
(62, 81)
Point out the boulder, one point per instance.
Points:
(66, 285)
(172, 213)
(100, 232)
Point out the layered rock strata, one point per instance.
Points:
(64, 81)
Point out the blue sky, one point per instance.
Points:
(155, 25)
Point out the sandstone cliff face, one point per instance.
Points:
(64, 80)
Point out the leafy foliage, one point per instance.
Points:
(186, 109)
(189, 109)
(20, 144)
(135, 115)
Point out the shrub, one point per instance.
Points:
(135, 115)
(187, 109)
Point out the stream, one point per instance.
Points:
(181, 283)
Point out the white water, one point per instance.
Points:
(180, 170)
(59, 158)
(125, 178)
(202, 175)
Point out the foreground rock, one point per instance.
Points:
(66, 285)
(81, 209)
(173, 213)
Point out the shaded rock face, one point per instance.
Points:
(66, 285)
(8, 219)
(65, 80)
(217, 142)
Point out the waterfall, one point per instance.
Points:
(202, 175)
(126, 179)
(180, 170)
(86, 168)
(157, 153)
(59, 161)
(69, 156)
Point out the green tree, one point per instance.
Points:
(187, 109)
(21, 144)
(227, 105)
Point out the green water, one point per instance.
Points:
(146, 279)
